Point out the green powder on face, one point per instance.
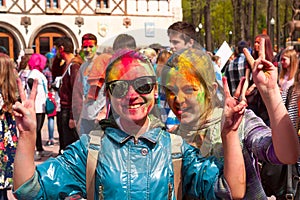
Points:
(201, 97)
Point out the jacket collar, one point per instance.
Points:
(114, 132)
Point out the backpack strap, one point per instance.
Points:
(176, 143)
(92, 159)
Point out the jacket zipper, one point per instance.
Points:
(170, 191)
(101, 197)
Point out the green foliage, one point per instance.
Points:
(222, 21)
(222, 16)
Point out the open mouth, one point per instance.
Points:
(134, 106)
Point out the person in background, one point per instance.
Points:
(190, 86)
(132, 131)
(250, 91)
(3, 50)
(237, 67)
(70, 68)
(51, 95)
(182, 35)
(90, 101)
(8, 129)
(24, 70)
(37, 63)
(151, 54)
(289, 65)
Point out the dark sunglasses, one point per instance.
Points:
(142, 85)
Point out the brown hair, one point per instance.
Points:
(24, 62)
(185, 29)
(268, 48)
(8, 82)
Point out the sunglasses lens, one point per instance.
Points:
(118, 89)
(144, 85)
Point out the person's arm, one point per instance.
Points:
(284, 137)
(74, 68)
(24, 113)
(234, 166)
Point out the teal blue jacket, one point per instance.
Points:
(128, 170)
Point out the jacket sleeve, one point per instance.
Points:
(73, 77)
(58, 177)
(202, 177)
(77, 96)
(258, 138)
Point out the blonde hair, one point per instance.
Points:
(292, 54)
(8, 81)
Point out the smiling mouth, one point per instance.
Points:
(135, 106)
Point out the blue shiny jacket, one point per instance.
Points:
(128, 170)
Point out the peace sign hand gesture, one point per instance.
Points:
(25, 112)
(264, 73)
(25, 116)
(234, 108)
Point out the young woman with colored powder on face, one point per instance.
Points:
(188, 79)
(135, 160)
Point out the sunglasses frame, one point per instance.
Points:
(131, 83)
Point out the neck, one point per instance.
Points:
(69, 57)
(135, 128)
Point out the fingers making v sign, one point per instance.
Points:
(24, 111)
(234, 107)
(264, 73)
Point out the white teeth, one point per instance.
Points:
(134, 106)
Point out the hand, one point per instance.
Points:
(234, 108)
(25, 112)
(264, 73)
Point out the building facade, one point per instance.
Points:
(33, 25)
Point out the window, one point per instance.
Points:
(2, 3)
(53, 7)
(102, 4)
(52, 3)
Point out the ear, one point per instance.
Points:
(156, 90)
(190, 44)
(215, 87)
(61, 49)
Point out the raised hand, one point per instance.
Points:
(264, 73)
(25, 112)
(234, 107)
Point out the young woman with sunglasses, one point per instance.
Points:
(191, 94)
(135, 160)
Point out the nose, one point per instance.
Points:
(131, 92)
(180, 97)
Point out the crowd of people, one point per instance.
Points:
(149, 123)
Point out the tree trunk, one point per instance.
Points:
(254, 30)
(248, 14)
(238, 20)
(269, 16)
(285, 30)
(207, 25)
(277, 26)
